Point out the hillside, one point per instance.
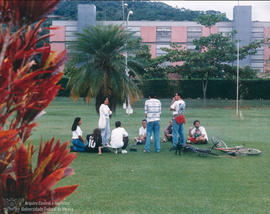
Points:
(143, 10)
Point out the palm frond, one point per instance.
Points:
(98, 54)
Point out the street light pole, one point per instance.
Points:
(126, 55)
(129, 109)
(123, 10)
(237, 71)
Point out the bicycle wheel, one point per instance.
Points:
(249, 151)
(218, 142)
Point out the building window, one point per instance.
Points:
(163, 34)
(160, 52)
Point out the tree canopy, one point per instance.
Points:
(212, 56)
(99, 56)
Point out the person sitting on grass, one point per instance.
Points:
(168, 132)
(119, 138)
(197, 134)
(142, 134)
(77, 140)
(94, 142)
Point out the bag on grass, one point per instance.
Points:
(133, 149)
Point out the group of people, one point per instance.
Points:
(175, 130)
(153, 111)
(98, 141)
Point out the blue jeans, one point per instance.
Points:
(78, 145)
(178, 130)
(105, 133)
(155, 127)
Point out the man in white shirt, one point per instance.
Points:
(142, 134)
(119, 138)
(178, 107)
(197, 134)
(152, 109)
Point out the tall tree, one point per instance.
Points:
(211, 57)
(148, 67)
(99, 54)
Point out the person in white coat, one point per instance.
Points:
(119, 138)
(104, 121)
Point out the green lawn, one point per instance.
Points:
(163, 182)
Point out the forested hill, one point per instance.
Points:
(143, 10)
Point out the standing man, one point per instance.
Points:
(178, 107)
(152, 109)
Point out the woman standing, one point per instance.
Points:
(77, 140)
(104, 121)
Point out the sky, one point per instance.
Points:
(260, 9)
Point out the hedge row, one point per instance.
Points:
(224, 89)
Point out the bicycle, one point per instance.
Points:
(189, 148)
(220, 145)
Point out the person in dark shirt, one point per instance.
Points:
(94, 142)
(168, 133)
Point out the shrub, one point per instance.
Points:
(29, 73)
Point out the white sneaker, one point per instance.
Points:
(124, 151)
(115, 151)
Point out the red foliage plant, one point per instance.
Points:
(29, 74)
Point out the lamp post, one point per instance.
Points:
(237, 71)
(126, 55)
(123, 10)
(129, 109)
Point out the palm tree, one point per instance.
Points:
(99, 56)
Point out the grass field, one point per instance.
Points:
(163, 182)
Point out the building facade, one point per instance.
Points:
(159, 34)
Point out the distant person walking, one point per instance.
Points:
(152, 110)
(178, 107)
(104, 121)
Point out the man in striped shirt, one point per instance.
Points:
(152, 110)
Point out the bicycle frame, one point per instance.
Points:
(220, 145)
